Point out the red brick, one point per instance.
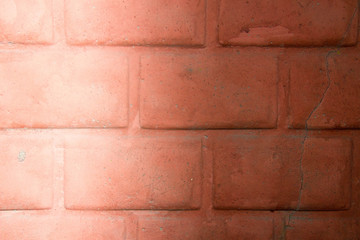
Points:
(283, 22)
(256, 172)
(76, 88)
(326, 167)
(26, 170)
(240, 226)
(142, 22)
(227, 89)
(111, 172)
(231, 226)
(325, 228)
(23, 21)
(169, 228)
(54, 227)
(323, 101)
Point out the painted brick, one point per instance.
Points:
(282, 22)
(325, 228)
(110, 172)
(158, 22)
(77, 88)
(324, 89)
(256, 172)
(240, 226)
(23, 21)
(224, 89)
(52, 227)
(26, 170)
(169, 227)
(326, 167)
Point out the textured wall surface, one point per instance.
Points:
(179, 119)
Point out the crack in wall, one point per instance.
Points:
(321, 101)
(307, 126)
(337, 48)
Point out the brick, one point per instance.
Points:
(240, 226)
(159, 22)
(324, 89)
(326, 167)
(224, 89)
(26, 171)
(325, 228)
(169, 227)
(23, 21)
(53, 227)
(256, 172)
(69, 88)
(111, 172)
(252, 172)
(191, 226)
(291, 23)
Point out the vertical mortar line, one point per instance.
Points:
(59, 179)
(358, 29)
(125, 228)
(204, 184)
(211, 27)
(273, 228)
(301, 169)
(205, 37)
(211, 163)
(206, 176)
(351, 171)
(277, 90)
(137, 227)
(283, 232)
(59, 22)
(129, 102)
(288, 94)
(282, 91)
(137, 79)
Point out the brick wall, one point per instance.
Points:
(179, 119)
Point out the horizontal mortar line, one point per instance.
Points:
(6, 45)
(282, 210)
(135, 210)
(24, 46)
(323, 129)
(186, 129)
(168, 210)
(290, 46)
(143, 129)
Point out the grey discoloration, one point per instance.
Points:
(21, 156)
